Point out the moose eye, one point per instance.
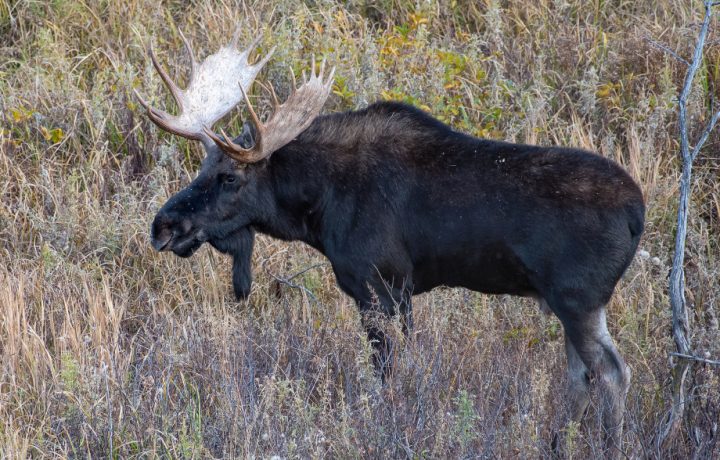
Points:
(229, 179)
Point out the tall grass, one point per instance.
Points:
(110, 349)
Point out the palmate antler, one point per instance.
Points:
(289, 119)
(219, 84)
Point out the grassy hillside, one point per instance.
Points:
(109, 348)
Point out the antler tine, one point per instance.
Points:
(188, 47)
(331, 77)
(253, 115)
(292, 74)
(228, 139)
(222, 143)
(268, 87)
(276, 102)
(176, 92)
(267, 57)
(322, 69)
(253, 44)
(157, 116)
(143, 102)
(164, 120)
(236, 37)
(246, 52)
(217, 139)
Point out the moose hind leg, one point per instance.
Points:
(578, 382)
(578, 377)
(589, 337)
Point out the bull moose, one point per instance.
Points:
(401, 203)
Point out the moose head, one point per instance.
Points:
(220, 204)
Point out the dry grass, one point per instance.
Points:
(110, 349)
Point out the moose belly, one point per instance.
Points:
(489, 268)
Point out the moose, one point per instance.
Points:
(401, 203)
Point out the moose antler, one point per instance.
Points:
(212, 92)
(219, 84)
(289, 119)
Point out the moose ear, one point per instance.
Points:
(247, 138)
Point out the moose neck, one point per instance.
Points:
(316, 183)
(297, 184)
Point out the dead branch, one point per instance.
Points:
(680, 326)
(696, 358)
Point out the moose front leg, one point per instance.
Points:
(382, 356)
(385, 302)
(379, 297)
(240, 246)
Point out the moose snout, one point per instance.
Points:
(161, 232)
(165, 228)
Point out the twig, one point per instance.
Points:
(319, 264)
(696, 358)
(687, 86)
(296, 286)
(706, 132)
(667, 50)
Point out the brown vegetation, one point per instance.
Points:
(109, 348)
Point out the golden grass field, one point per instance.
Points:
(110, 349)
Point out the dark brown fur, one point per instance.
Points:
(400, 203)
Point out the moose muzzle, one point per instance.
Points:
(170, 232)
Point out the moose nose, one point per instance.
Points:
(161, 233)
